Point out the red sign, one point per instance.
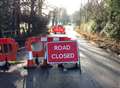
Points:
(59, 29)
(62, 52)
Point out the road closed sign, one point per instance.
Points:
(62, 52)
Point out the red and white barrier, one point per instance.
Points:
(8, 49)
(40, 43)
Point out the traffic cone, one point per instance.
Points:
(30, 61)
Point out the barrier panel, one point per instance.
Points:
(58, 29)
(31, 42)
(62, 52)
(8, 49)
(37, 45)
(42, 41)
(53, 39)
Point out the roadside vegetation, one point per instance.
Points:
(20, 19)
(99, 21)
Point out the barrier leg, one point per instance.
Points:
(60, 66)
(80, 66)
(37, 61)
(6, 66)
(76, 65)
(45, 64)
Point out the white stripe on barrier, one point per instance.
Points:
(29, 55)
(56, 39)
(44, 39)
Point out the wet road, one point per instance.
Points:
(57, 78)
(103, 67)
(99, 70)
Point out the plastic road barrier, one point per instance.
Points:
(36, 51)
(62, 52)
(8, 49)
(37, 45)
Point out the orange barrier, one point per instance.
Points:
(8, 49)
(43, 40)
(31, 62)
(41, 53)
(28, 44)
(65, 38)
(52, 39)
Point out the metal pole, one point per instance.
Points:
(80, 66)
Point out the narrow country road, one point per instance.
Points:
(101, 66)
(100, 69)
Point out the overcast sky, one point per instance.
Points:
(70, 5)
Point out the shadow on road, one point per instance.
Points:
(8, 80)
(58, 78)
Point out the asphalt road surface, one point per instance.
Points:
(100, 69)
